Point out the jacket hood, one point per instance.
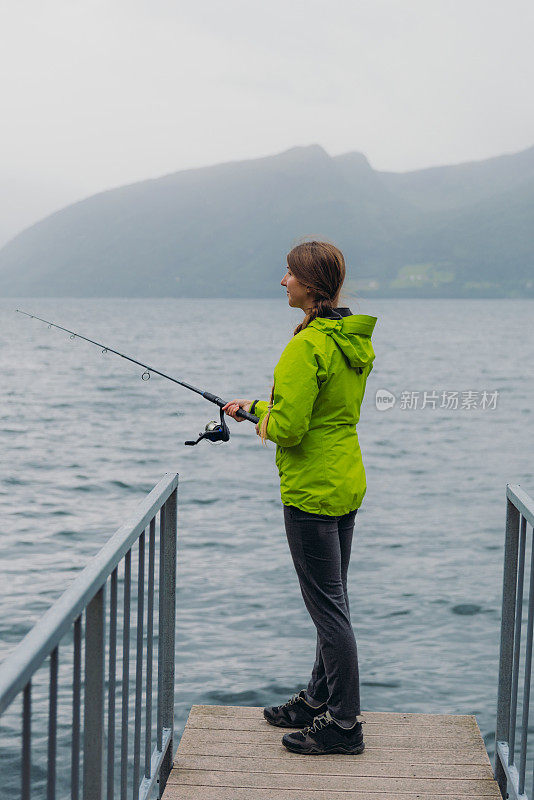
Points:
(352, 334)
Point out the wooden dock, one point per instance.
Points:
(232, 753)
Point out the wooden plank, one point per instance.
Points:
(174, 792)
(224, 793)
(258, 723)
(335, 765)
(298, 782)
(456, 756)
(271, 734)
(451, 755)
(370, 716)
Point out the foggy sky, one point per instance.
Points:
(96, 94)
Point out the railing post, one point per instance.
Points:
(93, 728)
(502, 731)
(26, 742)
(167, 629)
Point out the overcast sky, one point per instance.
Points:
(97, 93)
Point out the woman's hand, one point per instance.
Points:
(233, 405)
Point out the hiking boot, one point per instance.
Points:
(326, 736)
(296, 713)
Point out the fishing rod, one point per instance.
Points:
(214, 431)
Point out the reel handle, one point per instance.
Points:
(240, 413)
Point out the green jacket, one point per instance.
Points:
(319, 383)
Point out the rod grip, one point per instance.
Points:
(219, 402)
(247, 415)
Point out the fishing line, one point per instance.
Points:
(213, 432)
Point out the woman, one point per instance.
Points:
(319, 383)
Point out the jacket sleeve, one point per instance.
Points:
(297, 378)
(260, 409)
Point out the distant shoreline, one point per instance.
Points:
(352, 299)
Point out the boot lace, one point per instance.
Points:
(291, 700)
(321, 721)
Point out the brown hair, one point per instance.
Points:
(320, 266)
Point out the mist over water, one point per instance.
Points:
(83, 440)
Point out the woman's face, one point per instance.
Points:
(297, 294)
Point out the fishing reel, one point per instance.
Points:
(214, 431)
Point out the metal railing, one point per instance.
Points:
(511, 779)
(109, 757)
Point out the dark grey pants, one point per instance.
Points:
(320, 546)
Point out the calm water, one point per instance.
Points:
(83, 439)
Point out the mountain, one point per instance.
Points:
(224, 230)
(460, 185)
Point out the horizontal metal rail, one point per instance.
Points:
(510, 777)
(94, 711)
